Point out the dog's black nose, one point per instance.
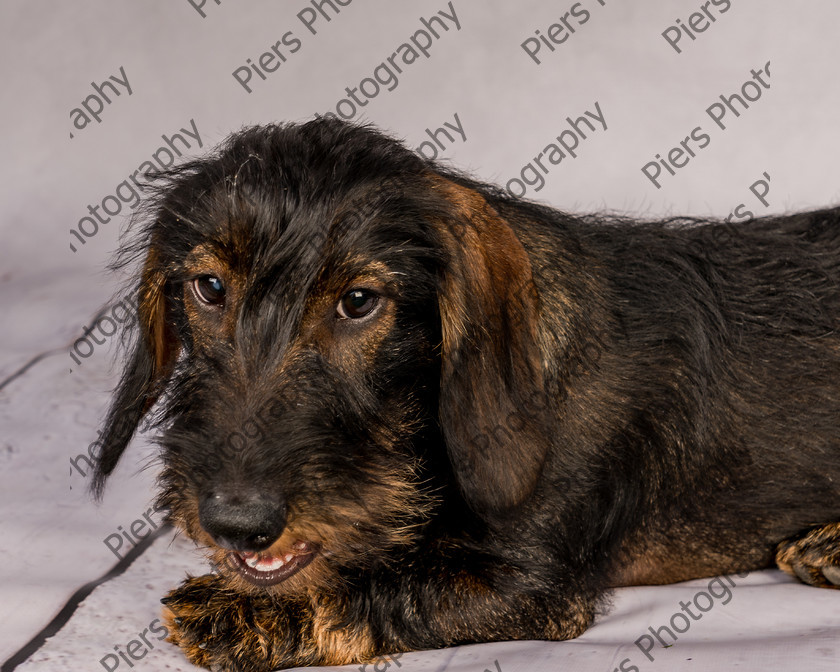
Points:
(242, 521)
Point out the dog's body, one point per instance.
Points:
(460, 417)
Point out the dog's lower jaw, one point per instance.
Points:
(269, 570)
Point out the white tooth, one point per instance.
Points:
(267, 564)
(270, 565)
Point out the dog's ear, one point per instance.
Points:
(149, 367)
(492, 399)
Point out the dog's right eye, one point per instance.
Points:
(209, 289)
(357, 303)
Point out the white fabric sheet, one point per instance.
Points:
(478, 78)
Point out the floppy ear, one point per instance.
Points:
(155, 352)
(492, 398)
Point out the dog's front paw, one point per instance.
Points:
(813, 557)
(219, 629)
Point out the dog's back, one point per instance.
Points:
(708, 385)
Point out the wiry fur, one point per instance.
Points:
(545, 406)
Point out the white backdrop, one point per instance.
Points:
(508, 78)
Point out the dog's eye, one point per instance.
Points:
(357, 303)
(210, 290)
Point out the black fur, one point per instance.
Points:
(541, 407)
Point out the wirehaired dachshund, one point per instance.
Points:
(404, 410)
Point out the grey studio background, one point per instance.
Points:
(95, 93)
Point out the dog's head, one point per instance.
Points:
(338, 334)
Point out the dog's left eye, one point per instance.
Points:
(357, 303)
(210, 290)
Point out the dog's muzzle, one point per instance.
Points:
(247, 525)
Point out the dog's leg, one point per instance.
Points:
(813, 557)
(225, 630)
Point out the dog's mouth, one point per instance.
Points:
(269, 569)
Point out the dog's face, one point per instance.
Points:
(309, 359)
(332, 329)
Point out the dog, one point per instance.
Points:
(404, 410)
